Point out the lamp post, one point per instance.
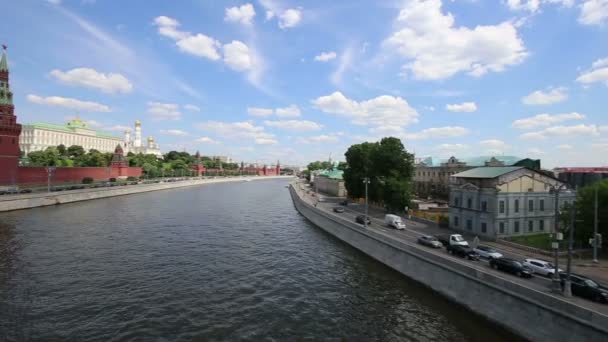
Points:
(366, 182)
(567, 287)
(49, 172)
(595, 239)
(557, 238)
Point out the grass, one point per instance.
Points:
(542, 241)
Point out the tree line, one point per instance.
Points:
(585, 213)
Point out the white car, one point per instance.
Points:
(487, 252)
(541, 267)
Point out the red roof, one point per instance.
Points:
(583, 169)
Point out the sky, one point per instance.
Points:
(297, 81)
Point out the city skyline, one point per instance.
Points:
(295, 81)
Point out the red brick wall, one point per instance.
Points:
(34, 175)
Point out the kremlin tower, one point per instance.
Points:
(9, 128)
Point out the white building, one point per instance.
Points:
(38, 136)
(136, 145)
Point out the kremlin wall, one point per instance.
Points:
(11, 174)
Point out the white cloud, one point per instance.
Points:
(174, 132)
(545, 120)
(192, 108)
(243, 14)
(535, 152)
(237, 56)
(290, 18)
(70, 103)
(263, 112)
(494, 144)
(288, 112)
(298, 125)
(383, 110)
(534, 5)
(450, 148)
(235, 130)
(319, 139)
(54, 2)
(597, 73)
(164, 111)
(540, 97)
(593, 12)
(117, 128)
(438, 132)
(265, 141)
(345, 63)
(465, 107)
(90, 78)
(437, 49)
(200, 45)
(206, 140)
(565, 147)
(562, 131)
(325, 56)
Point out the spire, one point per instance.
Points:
(3, 61)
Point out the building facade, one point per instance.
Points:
(38, 136)
(9, 128)
(581, 176)
(136, 144)
(495, 202)
(434, 181)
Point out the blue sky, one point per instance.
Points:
(297, 80)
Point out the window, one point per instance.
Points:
(501, 205)
(516, 207)
(484, 227)
(484, 206)
(469, 203)
(530, 205)
(501, 227)
(456, 221)
(516, 227)
(541, 205)
(541, 225)
(530, 226)
(456, 201)
(469, 225)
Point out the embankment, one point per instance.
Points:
(535, 315)
(27, 201)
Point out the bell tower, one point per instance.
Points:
(9, 128)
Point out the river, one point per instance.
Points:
(221, 262)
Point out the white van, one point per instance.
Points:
(394, 221)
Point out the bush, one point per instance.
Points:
(131, 179)
(444, 221)
(87, 180)
(113, 180)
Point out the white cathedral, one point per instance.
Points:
(136, 145)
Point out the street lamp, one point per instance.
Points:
(557, 237)
(49, 172)
(567, 287)
(595, 239)
(366, 182)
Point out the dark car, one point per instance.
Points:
(344, 202)
(463, 252)
(54, 189)
(363, 219)
(511, 266)
(582, 286)
(25, 191)
(338, 210)
(430, 241)
(124, 184)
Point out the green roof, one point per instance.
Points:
(4, 61)
(334, 174)
(472, 161)
(62, 128)
(487, 171)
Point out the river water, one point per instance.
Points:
(222, 262)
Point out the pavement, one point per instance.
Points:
(416, 229)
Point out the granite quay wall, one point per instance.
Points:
(27, 201)
(535, 315)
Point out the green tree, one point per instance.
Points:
(75, 151)
(585, 211)
(62, 150)
(358, 158)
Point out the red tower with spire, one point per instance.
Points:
(198, 167)
(9, 128)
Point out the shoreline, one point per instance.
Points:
(29, 201)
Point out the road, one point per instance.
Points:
(417, 229)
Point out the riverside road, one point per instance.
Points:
(416, 229)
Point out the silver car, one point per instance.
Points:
(487, 252)
(430, 241)
(541, 267)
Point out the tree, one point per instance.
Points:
(358, 158)
(585, 211)
(62, 150)
(319, 165)
(75, 151)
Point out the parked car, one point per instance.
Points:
(363, 219)
(541, 267)
(430, 241)
(463, 252)
(338, 210)
(487, 252)
(511, 266)
(345, 202)
(57, 188)
(582, 286)
(25, 191)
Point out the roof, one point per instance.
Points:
(62, 128)
(3, 61)
(472, 161)
(582, 169)
(333, 174)
(487, 171)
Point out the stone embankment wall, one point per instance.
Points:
(535, 315)
(27, 201)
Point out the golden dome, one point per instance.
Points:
(137, 123)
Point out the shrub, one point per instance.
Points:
(132, 179)
(444, 221)
(87, 180)
(113, 180)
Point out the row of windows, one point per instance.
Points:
(484, 204)
(434, 173)
(531, 207)
(502, 226)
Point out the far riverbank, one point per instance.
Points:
(28, 201)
